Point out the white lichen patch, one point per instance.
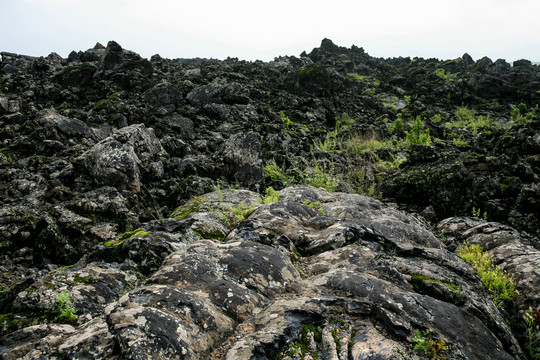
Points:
(140, 321)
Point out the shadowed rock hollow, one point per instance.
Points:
(303, 208)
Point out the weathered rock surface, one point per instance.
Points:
(280, 274)
(137, 219)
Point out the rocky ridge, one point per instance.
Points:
(136, 189)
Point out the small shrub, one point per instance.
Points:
(270, 197)
(397, 127)
(418, 134)
(500, 285)
(518, 113)
(433, 348)
(67, 313)
(532, 341)
(322, 178)
(234, 215)
(287, 122)
(277, 173)
(448, 77)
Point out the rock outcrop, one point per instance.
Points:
(206, 209)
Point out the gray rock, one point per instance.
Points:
(58, 127)
(119, 160)
(242, 159)
(161, 320)
(206, 94)
(517, 253)
(164, 97)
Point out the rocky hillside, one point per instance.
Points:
(326, 206)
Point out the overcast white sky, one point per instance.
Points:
(251, 29)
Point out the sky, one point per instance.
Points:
(263, 30)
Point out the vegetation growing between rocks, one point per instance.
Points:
(532, 340)
(433, 348)
(66, 311)
(126, 236)
(500, 284)
(270, 197)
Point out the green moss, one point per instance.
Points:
(86, 280)
(358, 77)
(418, 281)
(183, 212)
(61, 269)
(209, 235)
(76, 67)
(126, 236)
(335, 336)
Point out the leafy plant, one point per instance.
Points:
(317, 206)
(287, 122)
(500, 285)
(518, 113)
(418, 133)
(477, 214)
(532, 341)
(467, 118)
(277, 173)
(322, 177)
(234, 215)
(448, 77)
(433, 348)
(66, 311)
(270, 197)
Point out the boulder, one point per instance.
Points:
(242, 159)
(120, 159)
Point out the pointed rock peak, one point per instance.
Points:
(114, 46)
(328, 45)
(99, 46)
(467, 59)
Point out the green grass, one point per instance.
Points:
(322, 177)
(277, 173)
(500, 284)
(233, 215)
(532, 340)
(184, 211)
(126, 236)
(468, 118)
